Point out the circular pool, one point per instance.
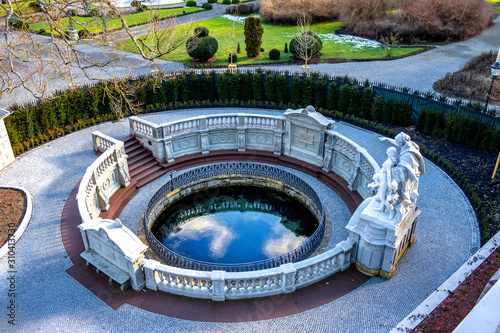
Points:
(235, 216)
(234, 224)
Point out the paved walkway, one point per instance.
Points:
(416, 72)
(48, 299)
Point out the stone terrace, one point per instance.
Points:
(48, 299)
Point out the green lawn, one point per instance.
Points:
(95, 26)
(18, 6)
(276, 37)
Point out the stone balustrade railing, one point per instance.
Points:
(203, 134)
(350, 161)
(103, 178)
(221, 285)
(302, 134)
(305, 135)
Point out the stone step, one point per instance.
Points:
(137, 168)
(150, 177)
(144, 156)
(135, 150)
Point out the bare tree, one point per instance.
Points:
(56, 58)
(231, 42)
(305, 45)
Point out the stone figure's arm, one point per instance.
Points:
(392, 141)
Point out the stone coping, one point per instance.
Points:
(430, 303)
(24, 223)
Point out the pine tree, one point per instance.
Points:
(238, 48)
(286, 48)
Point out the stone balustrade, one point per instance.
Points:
(302, 134)
(221, 285)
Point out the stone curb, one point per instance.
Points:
(430, 303)
(24, 223)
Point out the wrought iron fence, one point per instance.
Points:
(243, 168)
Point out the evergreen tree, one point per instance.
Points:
(320, 96)
(366, 103)
(332, 101)
(422, 120)
(235, 86)
(281, 89)
(208, 89)
(355, 100)
(286, 48)
(246, 88)
(377, 107)
(223, 87)
(257, 87)
(271, 85)
(296, 90)
(438, 130)
(253, 36)
(308, 91)
(345, 98)
(194, 87)
(387, 110)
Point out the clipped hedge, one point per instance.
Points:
(36, 123)
(339, 94)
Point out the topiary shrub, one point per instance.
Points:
(84, 34)
(234, 2)
(234, 57)
(201, 46)
(212, 1)
(226, 2)
(35, 6)
(306, 45)
(207, 6)
(139, 7)
(253, 35)
(191, 3)
(274, 54)
(201, 32)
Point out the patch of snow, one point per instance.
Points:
(238, 19)
(356, 42)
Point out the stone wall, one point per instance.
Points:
(6, 153)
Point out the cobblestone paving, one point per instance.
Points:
(49, 300)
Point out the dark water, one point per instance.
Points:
(234, 224)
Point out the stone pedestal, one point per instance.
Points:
(381, 241)
(73, 34)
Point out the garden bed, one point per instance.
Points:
(12, 210)
(447, 315)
